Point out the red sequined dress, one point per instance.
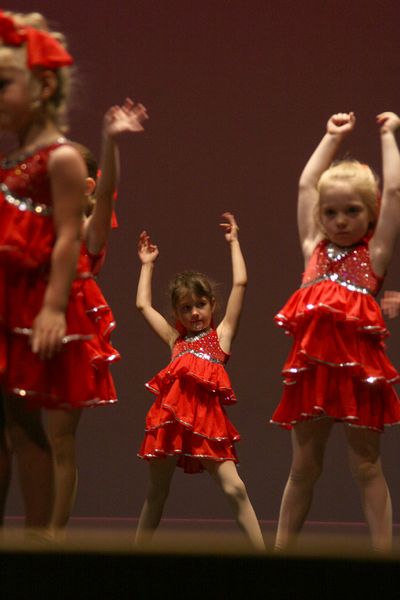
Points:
(337, 366)
(79, 374)
(188, 419)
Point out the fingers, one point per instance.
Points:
(144, 240)
(145, 245)
(388, 121)
(46, 341)
(231, 221)
(343, 118)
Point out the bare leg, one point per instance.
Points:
(309, 440)
(161, 471)
(5, 461)
(5, 470)
(366, 468)
(226, 476)
(61, 428)
(33, 454)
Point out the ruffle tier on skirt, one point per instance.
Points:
(187, 419)
(78, 375)
(337, 366)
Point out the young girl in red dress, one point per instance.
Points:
(62, 424)
(53, 353)
(337, 369)
(187, 424)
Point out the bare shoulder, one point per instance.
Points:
(66, 156)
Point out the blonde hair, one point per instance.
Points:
(362, 180)
(56, 106)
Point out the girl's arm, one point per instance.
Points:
(118, 120)
(227, 329)
(338, 126)
(390, 304)
(67, 174)
(148, 253)
(384, 238)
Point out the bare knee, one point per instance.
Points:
(235, 490)
(305, 474)
(366, 471)
(62, 447)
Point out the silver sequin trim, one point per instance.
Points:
(92, 402)
(158, 452)
(350, 421)
(335, 254)
(67, 338)
(202, 355)
(189, 426)
(335, 278)
(97, 308)
(195, 338)
(25, 204)
(9, 163)
(282, 320)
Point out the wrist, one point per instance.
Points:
(336, 137)
(387, 131)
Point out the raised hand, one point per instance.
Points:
(147, 251)
(230, 228)
(341, 123)
(128, 118)
(388, 121)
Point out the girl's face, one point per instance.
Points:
(344, 217)
(194, 312)
(16, 91)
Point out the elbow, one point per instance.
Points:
(242, 283)
(305, 185)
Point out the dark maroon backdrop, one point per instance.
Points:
(238, 93)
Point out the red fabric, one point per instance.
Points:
(79, 375)
(8, 31)
(337, 366)
(43, 49)
(188, 419)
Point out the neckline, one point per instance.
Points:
(8, 163)
(199, 336)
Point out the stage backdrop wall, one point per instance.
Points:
(238, 94)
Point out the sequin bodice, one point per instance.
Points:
(349, 267)
(27, 233)
(205, 346)
(25, 182)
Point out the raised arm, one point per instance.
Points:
(148, 253)
(338, 126)
(118, 120)
(387, 229)
(67, 175)
(227, 329)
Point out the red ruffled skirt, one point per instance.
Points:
(78, 375)
(188, 419)
(337, 366)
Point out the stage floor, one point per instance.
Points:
(194, 559)
(195, 535)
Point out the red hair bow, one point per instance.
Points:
(43, 49)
